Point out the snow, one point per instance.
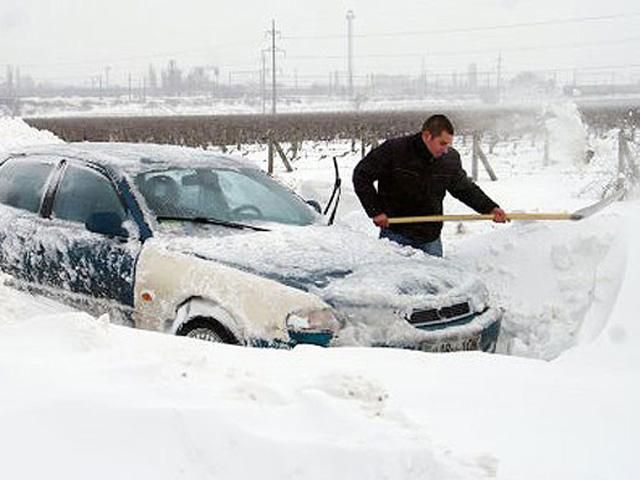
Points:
(84, 398)
(71, 106)
(15, 133)
(160, 105)
(315, 257)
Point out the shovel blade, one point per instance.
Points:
(596, 207)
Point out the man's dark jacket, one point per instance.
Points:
(411, 183)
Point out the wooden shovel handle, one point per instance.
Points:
(475, 216)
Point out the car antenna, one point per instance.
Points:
(337, 188)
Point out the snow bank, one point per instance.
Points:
(544, 275)
(96, 400)
(15, 133)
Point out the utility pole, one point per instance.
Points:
(106, 77)
(423, 77)
(273, 32)
(17, 85)
(263, 82)
(216, 73)
(10, 80)
(273, 67)
(499, 79)
(350, 17)
(129, 87)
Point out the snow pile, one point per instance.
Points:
(100, 401)
(15, 133)
(566, 134)
(545, 277)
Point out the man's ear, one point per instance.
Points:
(426, 136)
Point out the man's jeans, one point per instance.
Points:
(432, 248)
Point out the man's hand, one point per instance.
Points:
(381, 220)
(499, 215)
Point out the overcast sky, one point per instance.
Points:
(72, 40)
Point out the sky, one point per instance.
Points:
(72, 41)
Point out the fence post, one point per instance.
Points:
(545, 160)
(631, 165)
(282, 155)
(486, 164)
(474, 156)
(269, 154)
(620, 152)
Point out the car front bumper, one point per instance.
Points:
(478, 331)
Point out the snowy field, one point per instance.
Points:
(202, 105)
(122, 106)
(81, 398)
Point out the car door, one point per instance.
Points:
(24, 182)
(94, 271)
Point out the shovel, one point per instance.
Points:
(577, 215)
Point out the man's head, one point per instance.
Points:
(437, 134)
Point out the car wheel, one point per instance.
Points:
(203, 333)
(208, 330)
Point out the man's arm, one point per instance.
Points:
(375, 165)
(472, 195)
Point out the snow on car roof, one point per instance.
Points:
(135, 157)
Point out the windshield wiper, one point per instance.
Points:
(211, 221)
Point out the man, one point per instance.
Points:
(413, 175)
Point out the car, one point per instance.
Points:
(189, 242)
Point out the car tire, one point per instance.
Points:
(206, 329)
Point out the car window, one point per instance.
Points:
(236, 195)
(247, 190)
(23, 182)
(83, 192)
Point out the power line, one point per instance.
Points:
(561, 21)
(467, 52)
(137, 57)
(512, 71)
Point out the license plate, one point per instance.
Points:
(472, 343)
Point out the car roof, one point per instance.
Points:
(136, 157)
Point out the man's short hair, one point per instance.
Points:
(436, 124)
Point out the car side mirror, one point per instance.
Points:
(106, 223)
(315, 205)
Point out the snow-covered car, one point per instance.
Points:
(185, 241)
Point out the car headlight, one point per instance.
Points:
(315, 326)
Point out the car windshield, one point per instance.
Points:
(229, 195)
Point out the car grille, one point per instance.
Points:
(437, 315)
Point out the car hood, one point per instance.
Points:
(342, 266)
